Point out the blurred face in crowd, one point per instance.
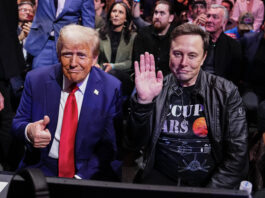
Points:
(162, 17)
(25, 13)
(118, 15)
(215, 20)
(198, 9)
(227, 6)
(76, 58)
(186, 57)
(98, 4)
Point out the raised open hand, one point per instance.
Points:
(148, 84)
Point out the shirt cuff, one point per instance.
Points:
(77, 177)
(112, 65)
(26, 135)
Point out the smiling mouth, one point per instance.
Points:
(182, 71)
(73, 70)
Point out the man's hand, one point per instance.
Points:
(25, 31)
(26, 28)
(200, 20)
(38, 134)
(148, 84)
(2, 100)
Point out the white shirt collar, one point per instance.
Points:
(81, 85)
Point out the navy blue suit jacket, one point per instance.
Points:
(45, 21)
(95, 144)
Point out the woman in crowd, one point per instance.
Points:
(116, 39)
(116, 44)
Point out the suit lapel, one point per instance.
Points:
(65, 8)
(53, 9)
(92, 99)
(53, 94)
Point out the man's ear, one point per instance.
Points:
(171, 18)
(204, 57)
(95, 60)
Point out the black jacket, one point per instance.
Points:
(228, 58)
(225, 118)
(11, 56)
(147, 40)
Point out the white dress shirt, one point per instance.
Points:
(79, 95)
(60, 7)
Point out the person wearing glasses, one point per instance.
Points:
(25, 16)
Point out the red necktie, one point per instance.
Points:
(67, 139)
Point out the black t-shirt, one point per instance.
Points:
(184, 149)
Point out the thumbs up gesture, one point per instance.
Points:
(38, 134)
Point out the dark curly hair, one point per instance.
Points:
(108, 27)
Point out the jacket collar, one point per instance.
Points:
(199, 84)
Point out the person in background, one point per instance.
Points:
(100, 16)
(198, 12)
(245, 24)
(255, 7)
(72, 134)
(190, 125)
(253, 92)
(11, 64)
(155, 38)
(116, 39)
(25, 17)
(224, 57)
(50, 17)
(228, 4)
(116, 45)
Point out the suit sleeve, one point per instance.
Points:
(234, 165)
(23, 115)
(88, 13)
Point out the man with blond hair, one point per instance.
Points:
(67, 112)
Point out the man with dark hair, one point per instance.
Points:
(155, 37)
(228, 4)
(197, 14)
(101, 15)
(190, 125)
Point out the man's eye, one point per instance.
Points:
(192, 56)
(82, 56)
(67, 55)
(177, 54)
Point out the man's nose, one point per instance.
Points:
(74, 60)
(184, 61)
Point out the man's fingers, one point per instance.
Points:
(160, 76)
(142, 63)
(136, 69)
(46, 120)
(152, 62)
(147, 61)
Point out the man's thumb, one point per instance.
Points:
(46, 120)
